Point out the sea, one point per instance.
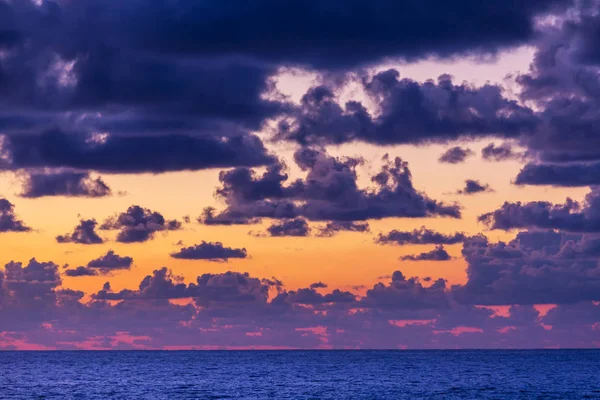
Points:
(171, 375)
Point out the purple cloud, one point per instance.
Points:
(139, 224)
(63, 183)
(539, 267)
(437, 254)
(419, 236)
(334, 227)
(110, 262)
(329, 192)
(473, 186)
(81, 271)
(455, 155)
(210, 252)
(504, 152)
(570, 216)
(84, 233)
(9, 222)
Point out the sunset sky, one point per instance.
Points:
(299, 174)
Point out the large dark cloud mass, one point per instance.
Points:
(174, 81)
(132, 154)
(409, 113)
(306, 32)
(156, 110)
(329, 192)
(317, 33)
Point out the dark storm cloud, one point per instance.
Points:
(328, 192)
(160, 113)
(84, 233)
(139, 224)
(419, 236)
(305, 32)
(63, 183)
(504, 152)
(473, 186)
(455, 155)
(178, 70)
(185, 95)
(118, 154)
(79, 68)
(111, 261)
(570, 216)
(9, 222)
(409, 113)
(210, 251)
(534, 268)
(437, 254)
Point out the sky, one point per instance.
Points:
(299, 174)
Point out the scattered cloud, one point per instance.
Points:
(437, 254)
(473, 186)
(139, 224)
(84, 233)
(455, 155)
(210, 252)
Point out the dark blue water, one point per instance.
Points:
(553, 374)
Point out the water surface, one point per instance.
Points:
(481, 374)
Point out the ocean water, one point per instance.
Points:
(481, 374)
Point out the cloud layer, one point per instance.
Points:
(91, 89)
